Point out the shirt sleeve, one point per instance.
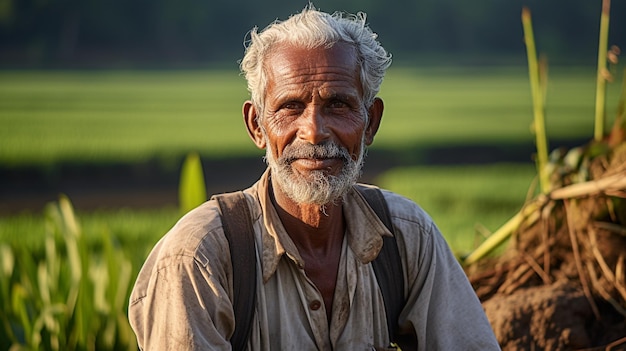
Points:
(180, 300)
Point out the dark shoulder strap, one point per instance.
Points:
(237, 224)
(387, 266)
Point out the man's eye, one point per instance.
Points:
(338, 104)
(290, 106)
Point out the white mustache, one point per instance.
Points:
(293, 152)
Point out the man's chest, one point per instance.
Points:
(291, 307)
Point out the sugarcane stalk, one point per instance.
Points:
(539, 124)
(600, 115)
(501, 235)
(621, 106)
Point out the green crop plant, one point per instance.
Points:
(192, 188)
(537, 77)
(71, 298)
(74, 296)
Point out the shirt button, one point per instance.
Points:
(315, 305)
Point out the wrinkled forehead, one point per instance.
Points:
(287, 60)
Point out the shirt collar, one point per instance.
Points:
(364, 230)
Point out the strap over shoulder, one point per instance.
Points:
(387, 266)
(238, 229)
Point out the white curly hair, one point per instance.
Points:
(312, 28)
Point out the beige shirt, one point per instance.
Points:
(182, 296)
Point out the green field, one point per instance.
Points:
(118, 116)
(129, 116)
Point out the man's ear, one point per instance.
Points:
(250, 117)
(375, 114)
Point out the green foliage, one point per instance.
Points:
(73, 294)
(192, 190)
(136, 228)
(71, 298)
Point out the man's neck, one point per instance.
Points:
(311, 227)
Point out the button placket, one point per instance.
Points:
(317, 314)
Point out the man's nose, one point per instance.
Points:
(313, 127)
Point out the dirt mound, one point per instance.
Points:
(560, 284)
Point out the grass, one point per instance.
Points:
(122, 116)
(138, 229)
(129, 116)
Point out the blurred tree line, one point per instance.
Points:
(192, 33)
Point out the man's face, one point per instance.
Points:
(314, 121)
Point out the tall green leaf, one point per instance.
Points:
(192, 189)
(539, 124)
(602, 74)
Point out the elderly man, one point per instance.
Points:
(313, 81)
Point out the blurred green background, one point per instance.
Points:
(102, 101)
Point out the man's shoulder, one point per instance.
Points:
(403, 208)
(193, 233)
(188, 244)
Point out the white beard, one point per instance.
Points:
(320, 188)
